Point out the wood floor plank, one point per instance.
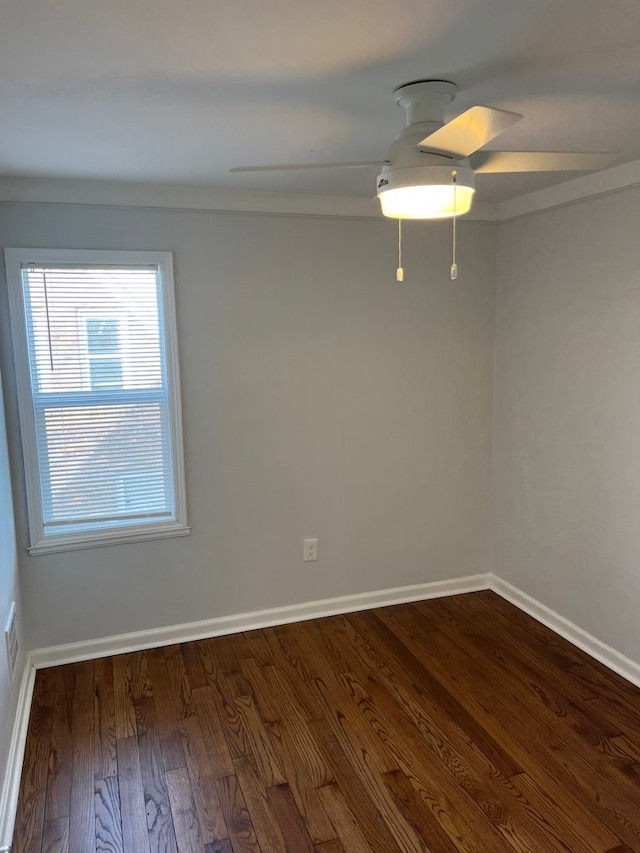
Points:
(336, 702)
(192, 660)
(141, 686)
(241, 818)
(105, 761)
(124, 704)
(205, 795)
(350, 836)
(108, 820)
(622, 713)
(270, 711)
(226, 652)
(257, 647)
(259, 743)
(183, 810)
(222, 846)
(81, 811)
(59, 779)
(55, 836)
(298, 666)
(335, 846)
(295, 643)
(223, 690)
(209, 663)
(302, 763)
(156, 797)
(292, 826)
(166, 713)
(254, 792)
(625, 754)
(134, 819)
(455, 725)
(179, 682)
(377, 832)
(420, 816)
(211, 725)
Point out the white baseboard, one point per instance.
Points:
(607, 655)
(120, 644)
(11, 786)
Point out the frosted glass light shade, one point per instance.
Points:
(426, 201)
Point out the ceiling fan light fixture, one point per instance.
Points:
(425, 192)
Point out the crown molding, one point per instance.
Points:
(177, 197)
(607, 181)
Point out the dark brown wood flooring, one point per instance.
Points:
(458, 724)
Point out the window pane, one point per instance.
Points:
(105, 373)
(75, 313)
(90, 450)
(102, 335)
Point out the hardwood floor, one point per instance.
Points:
(458, 724)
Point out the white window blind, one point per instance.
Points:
(102, 419)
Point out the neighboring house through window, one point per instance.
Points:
(97, 369)
(104, 355)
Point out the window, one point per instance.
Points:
(97, 369)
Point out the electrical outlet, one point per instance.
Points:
(310, 550)
(11, 639)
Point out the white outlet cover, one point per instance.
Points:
(310, 550)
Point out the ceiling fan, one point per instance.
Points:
(430, 168)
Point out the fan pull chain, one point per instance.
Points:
(453, 272)
(399, 271)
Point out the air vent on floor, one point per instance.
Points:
(11, 639)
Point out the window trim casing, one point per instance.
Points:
(39, 542)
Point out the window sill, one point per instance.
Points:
(117, 537)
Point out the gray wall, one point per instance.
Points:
(567, 413)
(320, 398)
(9, 592)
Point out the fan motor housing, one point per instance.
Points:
(397, 175)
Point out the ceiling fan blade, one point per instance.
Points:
(470, 131)
(356, 164)
(491, 162)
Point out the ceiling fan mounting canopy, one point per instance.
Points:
(425, 100)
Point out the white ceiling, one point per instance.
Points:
(179, 91)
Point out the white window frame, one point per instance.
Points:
(39, 541)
